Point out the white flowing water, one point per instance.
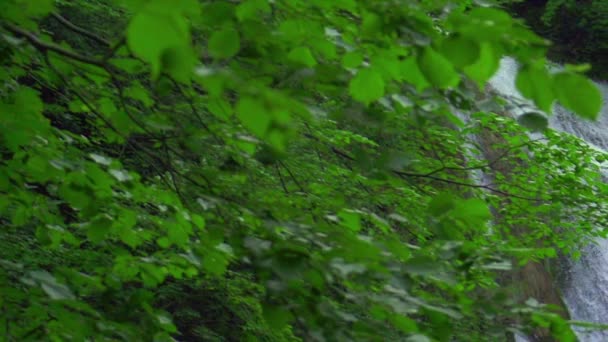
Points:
(585, 284)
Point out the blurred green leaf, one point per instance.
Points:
(438, 70)
(578, 94)
(224, 43)
(367, 86)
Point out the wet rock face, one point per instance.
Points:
(539, 283)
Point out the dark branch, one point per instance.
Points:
(449, 181)
(44, 47)
(282, 180)
(484, 166)
(80, 30)
(295, 180)
(443, 180)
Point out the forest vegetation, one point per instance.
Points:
(292, 170)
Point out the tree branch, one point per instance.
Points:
(449, 181)
(80, 30)
(281, 178)
(292, 176)
(487, 165)
(44, 47)
(444, 180)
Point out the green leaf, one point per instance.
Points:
(252, 9)
(367, 86)
(137, 92)
(22, 120)
(224, 43)
(217, 13)
(39, 8)
(198, 221)
(20, 215)
(442, 203)
(578, 68)
(485, 67)
(387, 64)
(130, 65)
(534, 121)
(352, 59)
(151, 33)
(325, 48)
(28, 101)
(371, 25)
(178, 234)
(350, 219)
(403, 323)
(125, 225)
(295, 30)
(474, 212)
(163, 242)
(77, 196)
(219, 107)
(437, 69)
(98, 229)
(411, 73)
(535, 82)
(302, 55)
(21, 10)
(276, 317)
(129, 237)
(179, 62)
(474, 208)
(460, 51)
(215, 262)
(483, 23)
(253, 115)
(578, 94)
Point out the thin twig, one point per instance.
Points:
(292, 176)
(487, 165)
(282, 180)
(174, 179)
(83, 99)
(444, 180)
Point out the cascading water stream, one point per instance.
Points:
(585, 285)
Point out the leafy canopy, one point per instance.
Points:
(280, 170)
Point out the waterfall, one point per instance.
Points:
(585, 286)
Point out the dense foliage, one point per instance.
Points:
(578, 29)
(281, 170)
